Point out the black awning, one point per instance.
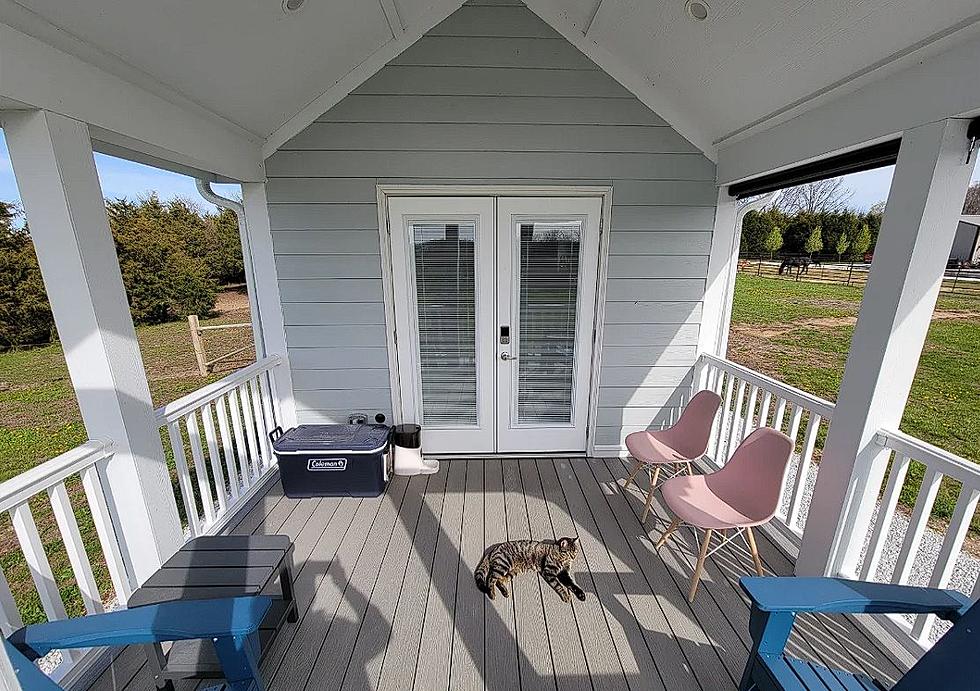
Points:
(868, 158)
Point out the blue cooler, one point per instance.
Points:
(333, 460)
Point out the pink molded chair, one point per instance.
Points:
(686, 441)
(743, 494)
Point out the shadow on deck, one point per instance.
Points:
(387, 600)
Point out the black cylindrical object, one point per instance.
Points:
(407, 436)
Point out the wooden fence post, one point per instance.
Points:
(195, 326)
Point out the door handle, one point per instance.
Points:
(507, 356)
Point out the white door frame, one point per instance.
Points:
(384, 192)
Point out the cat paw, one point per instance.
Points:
(580, 595)
(565, 597)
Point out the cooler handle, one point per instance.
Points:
(275, 434)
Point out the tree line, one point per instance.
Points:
(174, 258)
(816, 219)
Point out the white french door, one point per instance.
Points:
(494, 305)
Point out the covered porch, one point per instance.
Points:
(386, 593)
(480, 108)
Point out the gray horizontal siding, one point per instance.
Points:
(490, 96)
(491, 110)
(345, 136)
(451, 165)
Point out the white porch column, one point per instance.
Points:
(265, 293)
(55, 170)
(924, 203)
(716, 309)
(719, 290)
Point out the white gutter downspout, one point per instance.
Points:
(258, 335)
(726, 318)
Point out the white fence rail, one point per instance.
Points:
(751, 400)
(903, 547)
(225, 427)
(50, 487)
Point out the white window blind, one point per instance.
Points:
(549, 277)
(445, 286)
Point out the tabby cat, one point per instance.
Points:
(550, 558)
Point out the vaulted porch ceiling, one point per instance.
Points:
(266, 74)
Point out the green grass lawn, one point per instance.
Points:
(40, 418)
(800, 333)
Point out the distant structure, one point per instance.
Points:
(966, 245)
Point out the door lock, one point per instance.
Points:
(504, 335)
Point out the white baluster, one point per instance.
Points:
(254, 450)
(92, 483)
(777, 423)
(64, 515)
(10, 619)
(721, 446)
(37, 562)
(197, 452)
(227, 448)
(764, 409)
(966, 506)
(735, 436)
(886, 511)
(184, 478)
(260, 424)
(750, 412)
(803, 472)
(917, 525)
(207, 415)
(242, 450)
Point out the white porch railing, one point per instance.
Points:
(60, 479)
(904, 548)
(225, 427)
(751, 400)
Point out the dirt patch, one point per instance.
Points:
(769, 331)
(955, 314)
(232, 300)
(753, 347)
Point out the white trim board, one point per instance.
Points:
(396, 190)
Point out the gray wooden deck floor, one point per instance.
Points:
(387, 599)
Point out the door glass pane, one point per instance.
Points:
(549, 264)
(445, 287)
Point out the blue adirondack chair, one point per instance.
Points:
(231, 623)
(951, 664)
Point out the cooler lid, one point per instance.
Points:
(333, 438)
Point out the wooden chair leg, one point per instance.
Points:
(653, 486)
(690, 471)
(675, 524)
(633, 471)
(699, 567)
(755, 552)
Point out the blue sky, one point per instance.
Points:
(122, 178)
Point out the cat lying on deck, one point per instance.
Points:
(550, 558)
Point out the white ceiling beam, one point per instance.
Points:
(39, 76)
(357, 76)
(946, 85)
(664, 103)
(391, 15)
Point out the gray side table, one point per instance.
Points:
(211, 567)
